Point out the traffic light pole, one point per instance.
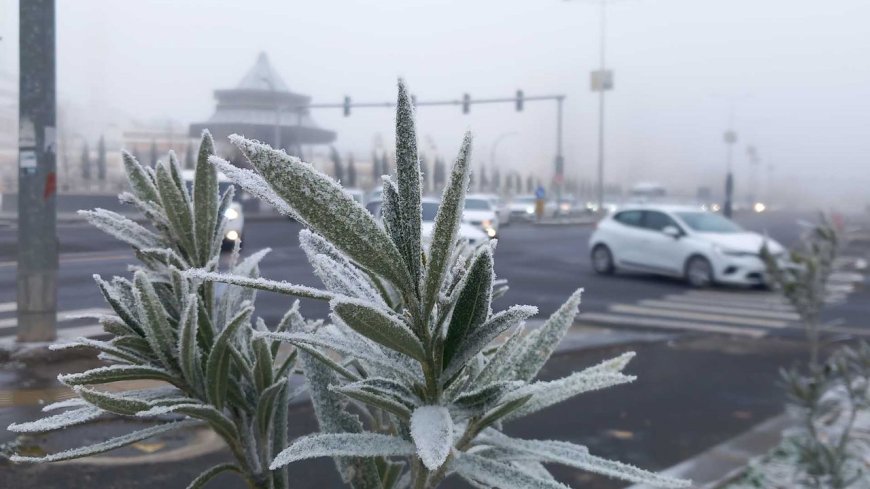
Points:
(37, 177)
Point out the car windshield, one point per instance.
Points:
(705, 222)
(430, 209)
(477, 204)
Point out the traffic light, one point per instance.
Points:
(519, 100)
(466, 103)
(346, 106)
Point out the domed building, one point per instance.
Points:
(262, 107)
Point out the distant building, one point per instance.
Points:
(262, 107)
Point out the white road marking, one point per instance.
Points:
(8, 306)
(696, 316)
(636, 321)
(786, 316)
(12, 323)
(765, 297)
(737, 304)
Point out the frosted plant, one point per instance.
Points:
(171, 328)
(803, 277)
(417, 375)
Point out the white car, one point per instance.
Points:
(522, 207)
(472, 235)
(702, 247)
(481, 213)
(234, 230)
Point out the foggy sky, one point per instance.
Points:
(796, 73)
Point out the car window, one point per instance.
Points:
(706, 222)
(477, 204)
(657, 221)
(629, 218)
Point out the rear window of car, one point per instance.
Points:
(629, 218)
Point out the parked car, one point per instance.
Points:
(681, 241)
(480, 213)
(501, 209)
(472, 235)
(234, 230)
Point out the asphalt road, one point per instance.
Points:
(543, 265)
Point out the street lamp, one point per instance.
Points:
(730, 138)
(495, 144)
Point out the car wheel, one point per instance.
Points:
(602, 260)
(699, 272)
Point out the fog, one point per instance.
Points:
(793, 75)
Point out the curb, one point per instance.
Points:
(723, 463)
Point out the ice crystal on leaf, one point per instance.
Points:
(417, 374)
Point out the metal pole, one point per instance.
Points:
(495, 144)
(729, 183)
(601, 109)
(37, 177)
(560, 160)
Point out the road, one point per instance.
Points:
(543, 265)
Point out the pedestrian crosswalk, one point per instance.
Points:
(750, 313)
(70, 322)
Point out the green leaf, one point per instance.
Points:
(473, 304)
(112, 295)
(122, 228)
(188, 349)
(378, 325)
(58, 421)
(262, 363)
(141, 183)
(158, 332)
(105, 446)
(501, 411)
(477, 340)
(343, 445)
(113, 403)
(376, 399)
(260, 284)
(541, 346)
(209, 474)
(217, 420)
(322, 205)
(267, 403)
(177, 207)
(446, 227)
(408, 173)
(205, 200)
(218, 363)
(115, 373)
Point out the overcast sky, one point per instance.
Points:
(796, 72)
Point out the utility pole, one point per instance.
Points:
(37, 176)
(604, 86)
(730, 139)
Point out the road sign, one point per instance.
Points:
(601, 80)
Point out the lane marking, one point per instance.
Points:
(8, 306)
(786, 316)
(729, 303)
(695, 316)
(617, 320)
(766, 297)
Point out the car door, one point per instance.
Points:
(626, 236)
(662, 252)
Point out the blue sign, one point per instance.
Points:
(540, 193)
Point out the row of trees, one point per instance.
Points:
(434, 178)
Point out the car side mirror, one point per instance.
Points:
(672, 231)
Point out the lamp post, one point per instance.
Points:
(501, 137)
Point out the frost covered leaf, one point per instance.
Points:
(57, 421)
(188, 349)
(343, 445)
(112, 402)
(376, 399)
(158, 332)
(498, 474)
(476, 340)
(115, 373)
(173, 194)
(259, 283)
(122, 228)
(253, 183)
(105, 446)
(218, 362)
(473, 305)
(325, 208)
(205, 200)
(539, 347)
(545, 394)
(619, 470)
(432, 431)
(408, 174)
(446, 227)
(141, 183)
(380, 326)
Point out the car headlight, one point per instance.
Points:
(733, 253)
(231, 214)
(232, 235)
(565, 207)
(486, 223)
(530, 210)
